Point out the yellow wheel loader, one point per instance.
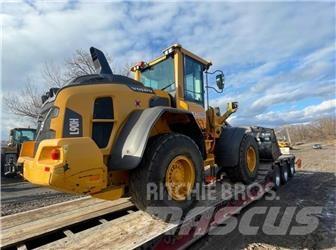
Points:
(109, 136)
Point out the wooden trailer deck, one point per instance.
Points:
(89, 223)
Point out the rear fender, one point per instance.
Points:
(129, 148)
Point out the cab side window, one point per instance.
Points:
(193, 81)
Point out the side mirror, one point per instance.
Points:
(220, 81)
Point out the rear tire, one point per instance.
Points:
(160, 152)
(245, 171)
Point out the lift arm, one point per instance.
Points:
(231, 108)
(215, 120)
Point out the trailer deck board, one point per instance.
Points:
(126, 232)
(26, 225)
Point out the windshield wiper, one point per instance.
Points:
(167, 86)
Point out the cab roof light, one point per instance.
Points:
(140, 65)
(171, 49)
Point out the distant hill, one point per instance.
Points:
(321, 129)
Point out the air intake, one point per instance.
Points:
(100, 62)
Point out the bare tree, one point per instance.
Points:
(80, 64)
(126, 69)
(321, 129)
(27, 102)
(53, 75)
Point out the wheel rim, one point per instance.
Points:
(251, 159)
(180, 177)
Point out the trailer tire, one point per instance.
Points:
(161, 152)
(291, 169)
(276, 177)
(242, 172)
(284, 174)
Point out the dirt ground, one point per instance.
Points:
(312, 186)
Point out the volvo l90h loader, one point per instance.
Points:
(108, 135)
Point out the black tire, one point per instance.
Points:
(160, 151)
(276, 177)
(284, 176)
(241, 173)
(291, 169)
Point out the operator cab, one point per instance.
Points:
(178, 72)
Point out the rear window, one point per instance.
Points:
(102, 128)
(103, 108)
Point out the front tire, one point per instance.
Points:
(171, 165)
(248, 165)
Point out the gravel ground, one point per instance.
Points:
(18, 196)
(313, 185)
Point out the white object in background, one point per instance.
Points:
(285, 151)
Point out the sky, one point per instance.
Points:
(278, 57)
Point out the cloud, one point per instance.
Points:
(274, 119)
(326, 108)
(283, 82)
(272, 53)
(291, 93)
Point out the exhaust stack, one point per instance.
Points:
(100, 62)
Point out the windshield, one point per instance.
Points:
(24, 135)
(160, 76)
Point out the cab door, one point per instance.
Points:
(193, 88)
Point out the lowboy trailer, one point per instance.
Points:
(119, 225)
